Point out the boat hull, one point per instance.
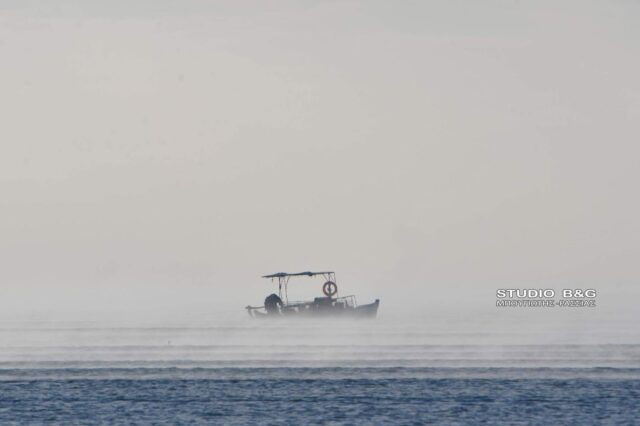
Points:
(318, 309)
(368, 311)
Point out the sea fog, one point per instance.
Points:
(408, 366)
(510, 337)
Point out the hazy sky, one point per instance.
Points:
(181, 149)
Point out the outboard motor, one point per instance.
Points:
(272, 304)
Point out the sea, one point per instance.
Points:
(238, 371)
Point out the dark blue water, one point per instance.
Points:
(368, 373)
(289, 396)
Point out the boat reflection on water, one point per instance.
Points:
(330, 305)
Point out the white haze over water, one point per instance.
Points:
(234, 348)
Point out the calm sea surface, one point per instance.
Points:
(273, 372)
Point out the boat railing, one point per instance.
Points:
(349, 301)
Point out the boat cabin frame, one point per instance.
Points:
(283, 281)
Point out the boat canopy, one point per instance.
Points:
(283, 280)
(297, 274)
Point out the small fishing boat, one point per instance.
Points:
(329, 305)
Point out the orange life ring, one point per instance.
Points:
(329, 288)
